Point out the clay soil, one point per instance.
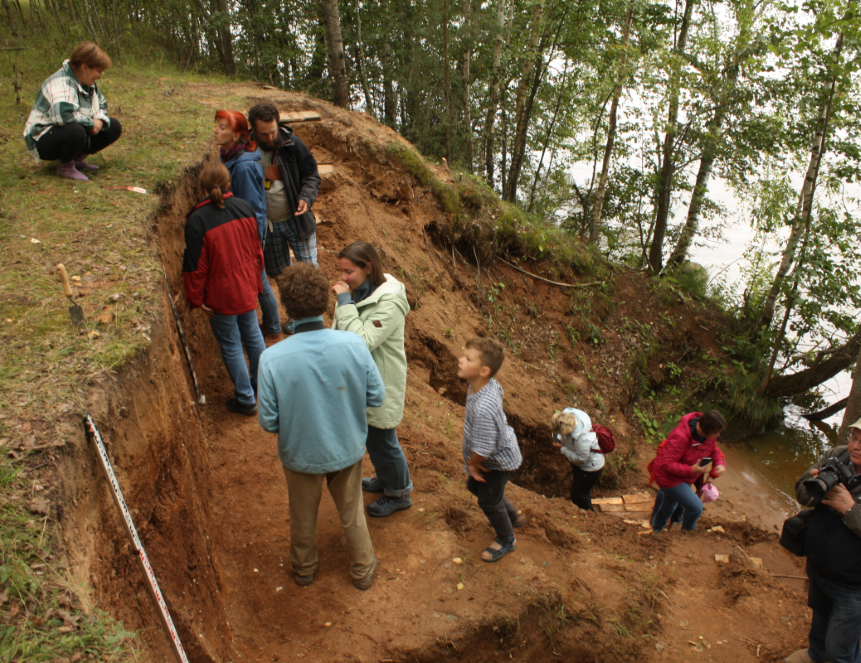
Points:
(581, 586)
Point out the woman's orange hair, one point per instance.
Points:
(237, 122)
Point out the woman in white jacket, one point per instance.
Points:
(573, 436)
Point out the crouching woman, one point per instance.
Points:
(688, 455)
(573, 434)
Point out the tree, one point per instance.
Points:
(335, 51)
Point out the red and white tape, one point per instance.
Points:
(143, 560)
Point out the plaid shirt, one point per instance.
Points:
(486, 430)
(63, 100)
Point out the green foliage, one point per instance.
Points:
(617, 467)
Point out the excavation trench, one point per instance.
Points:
(207, 493)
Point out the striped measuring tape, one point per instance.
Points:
(140, 553)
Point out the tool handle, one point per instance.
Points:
(64, 278)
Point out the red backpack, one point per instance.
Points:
(606, 441)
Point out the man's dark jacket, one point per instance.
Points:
(301, 179)
(832, 544)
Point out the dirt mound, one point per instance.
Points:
(209, 498)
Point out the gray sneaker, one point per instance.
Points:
(372, 485)
(386, 506)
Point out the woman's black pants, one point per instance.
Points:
(65, 142)
(581, 487)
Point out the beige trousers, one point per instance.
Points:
(305, 491)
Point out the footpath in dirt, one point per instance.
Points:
(581, 586)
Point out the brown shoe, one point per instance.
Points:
(272, 339)
(800, 656)
(366, 582)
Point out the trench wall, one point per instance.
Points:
(149, 420)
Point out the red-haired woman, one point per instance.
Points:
(242, 158)
(69, 120)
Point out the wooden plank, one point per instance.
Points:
(324, 168)
(301, 116)
(607, 500)
(639, 498)
(611, 508)
(638, 508)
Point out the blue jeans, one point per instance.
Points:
(677, 514)
(836, 626)
(672, 498)
(232, 332)
(389, 461)
(269, 306)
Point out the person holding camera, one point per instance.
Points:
(832, 545)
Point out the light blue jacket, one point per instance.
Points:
(313, 389)
(580, 446)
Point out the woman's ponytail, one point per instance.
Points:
(215, 180)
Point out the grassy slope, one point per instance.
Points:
(45, 364)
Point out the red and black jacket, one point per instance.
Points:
(223, 258)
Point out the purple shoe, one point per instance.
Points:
(68, 170)
(83, 165)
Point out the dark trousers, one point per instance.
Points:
(581, 487)
(496, 506)
(69, 140)
(836, 625)
(389, 461)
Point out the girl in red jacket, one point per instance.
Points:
(221, 271)
(689, 453)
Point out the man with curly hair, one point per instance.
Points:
(313, 390)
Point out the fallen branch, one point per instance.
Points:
(541, 278)
(778, 575)
(826, 412)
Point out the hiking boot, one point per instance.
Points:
(69, 171)
(287, 327)
(386, 506)
(800, 656)
(304, 581)
(234, 405)
(372, 485)
(365, 583)
(81, 164)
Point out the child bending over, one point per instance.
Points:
(490, 450)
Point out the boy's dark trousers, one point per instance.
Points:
(491, 499)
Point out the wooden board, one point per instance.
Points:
(639, 498)
(638, 508)
(608, 500)
(301, 116)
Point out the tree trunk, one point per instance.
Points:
(224, 37)
(447, 84)
(668, 166)
(369, 101)
(824, 413)
(467, 115)
(389, 102)
(548, 138)
(10, 17)
(335, 51)
(827, 364)
(853, 402)
(595, 225)
(521, 119)
(805, 201)
(487, 136)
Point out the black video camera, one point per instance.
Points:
(831, 473)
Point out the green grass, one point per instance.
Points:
(102, 235)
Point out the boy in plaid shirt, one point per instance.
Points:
(490, 450)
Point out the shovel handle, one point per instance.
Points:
(64, 279)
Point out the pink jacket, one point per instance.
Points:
(680, 451)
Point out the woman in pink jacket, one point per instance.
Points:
(688, 455)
